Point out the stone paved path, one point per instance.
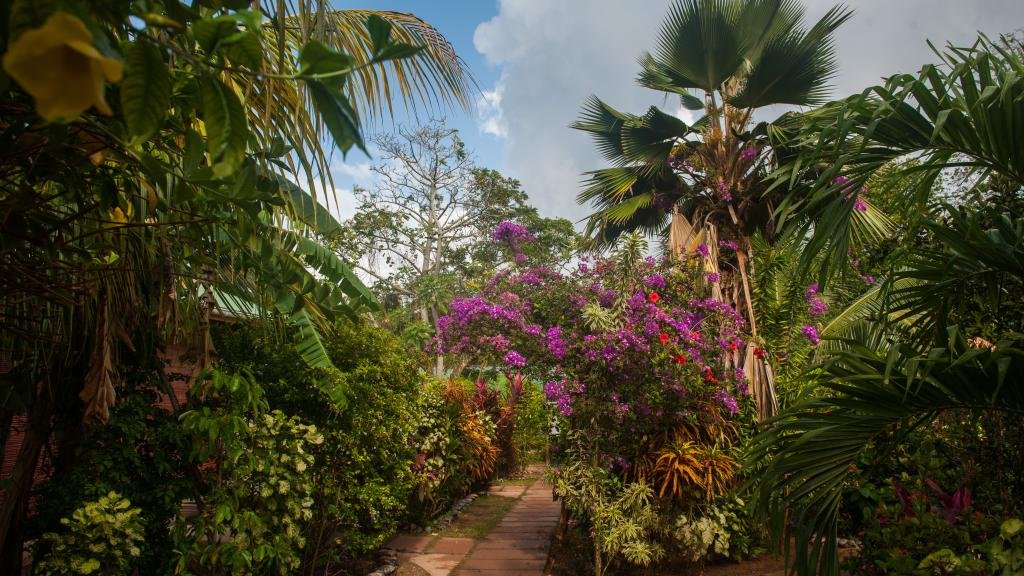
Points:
(517, 546)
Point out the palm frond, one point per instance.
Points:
(700, 43)
(435, 77)
(795, 67)
(873, 396)
(605, 124)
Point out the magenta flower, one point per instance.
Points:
(514, 359)
(713, 277)
(748, 153)
(702, 250)
(656, 281)
(817, 307)
(860, 205)
(512, 234)
(811, 332)
(723, 189)
(728, 401)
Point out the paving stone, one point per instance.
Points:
(409, 543)
(453, 546)
(518, 545)
(504, 564)
(508, 491)
(437, 564)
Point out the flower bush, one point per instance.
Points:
(636, 359)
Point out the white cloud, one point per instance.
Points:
(359, 172)
(491, 115)
(554, 54)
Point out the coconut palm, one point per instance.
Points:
(905, 357)
(707, 182)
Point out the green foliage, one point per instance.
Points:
(362, 470)
(623, 518)
(454, 446)
(102, 537)
(532, 423)
(259, 489)
(915, 349)
(140, 453)
(1007, 550)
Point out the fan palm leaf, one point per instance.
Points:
(874, 396)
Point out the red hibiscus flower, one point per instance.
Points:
(663, 337)
(758, 352)
(653, 297)
(680, 358)
(733, 345)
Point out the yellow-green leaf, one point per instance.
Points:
(146, 90)
(226, 128)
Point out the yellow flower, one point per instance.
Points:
(59, 66)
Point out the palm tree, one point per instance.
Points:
(905, 357)
(708, 182)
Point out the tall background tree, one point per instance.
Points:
(423, 232)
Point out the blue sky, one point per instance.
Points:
(536, 61)
(458, 21)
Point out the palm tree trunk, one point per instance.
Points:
(758, 370)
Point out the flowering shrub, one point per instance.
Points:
(635, 359)
(622, 349)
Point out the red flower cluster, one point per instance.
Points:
(663, 337)
(680, 358)
(653, 297)
(758, 352)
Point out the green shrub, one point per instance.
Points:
(362, 472)
(259, 490)
(441, 468)
(140, 453)
(101, 537)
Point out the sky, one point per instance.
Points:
(536, 61)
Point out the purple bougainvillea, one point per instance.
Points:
(512, 235)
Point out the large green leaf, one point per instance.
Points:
(862, 397)
(146, 89)
(324, 72)
(793, 68)
(227, 131)
(700, 43)
(304, 208)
